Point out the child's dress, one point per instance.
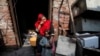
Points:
(45, 50)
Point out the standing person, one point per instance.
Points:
(42, 24)
(46, 44)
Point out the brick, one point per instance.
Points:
(55, 16)
(67, 17)
(3, 2)
(56, 34)
(1, 8)
(4, 38)
(63, 19)
(55, 23)
(71, 2)
(55, 10)
(67, 10)
(10, 41)
(3, 24)
(7, 16)
(65, 26)
(59, 3)
(56, 4)
(10, 33)
(5, 9)
(66, 20)
(63, 9)
(58, 0)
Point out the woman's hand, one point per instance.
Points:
(39, 26)
(41, 22)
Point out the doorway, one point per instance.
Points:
(27, 12)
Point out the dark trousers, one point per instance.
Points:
(38, 46)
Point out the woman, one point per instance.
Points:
(42, 24)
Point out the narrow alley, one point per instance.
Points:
(49, 28)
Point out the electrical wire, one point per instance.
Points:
(15, 2)
(59, 14)
(79, 49)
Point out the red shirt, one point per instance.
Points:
(45, 26)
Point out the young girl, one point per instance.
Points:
(46, 45)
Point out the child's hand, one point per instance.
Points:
(47, 45)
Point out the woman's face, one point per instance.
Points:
(44, 18)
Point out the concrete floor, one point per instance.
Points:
(26, 50)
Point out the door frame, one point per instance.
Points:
(12, 9)
(50, 9)
(12, 4)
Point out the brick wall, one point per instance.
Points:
(6, 24)
(64, 17)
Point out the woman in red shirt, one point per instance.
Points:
(42, 24)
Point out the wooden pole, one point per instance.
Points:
(72, 18)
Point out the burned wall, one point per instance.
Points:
(6, 25)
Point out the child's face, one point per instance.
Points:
(46, 34)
